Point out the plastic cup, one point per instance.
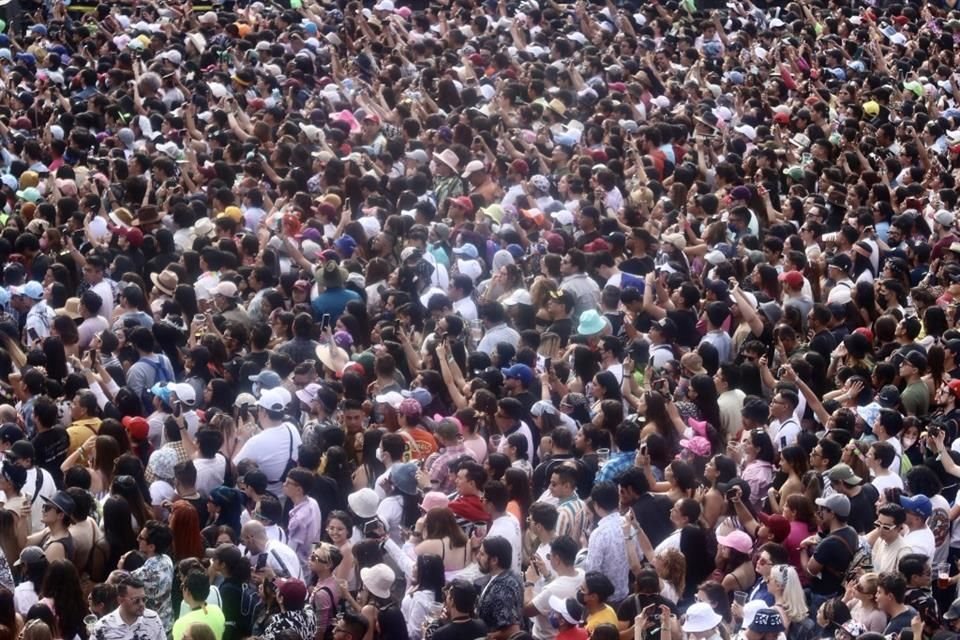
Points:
(740, 597)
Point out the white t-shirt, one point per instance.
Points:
(561, 586)
(922, 541)
(784, 434)
(47, 488)
(271, 449)
(210, 473)
(507, 527)
(105, 291)
(886, 482)
(390, 512)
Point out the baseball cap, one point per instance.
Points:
(520, 372)
(838, 503)
(919, 504)
(10, 433)
(272, 400)
(843, 473)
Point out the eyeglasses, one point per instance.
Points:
(315, 558)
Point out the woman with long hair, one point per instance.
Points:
(233, 567)
(61, 591)
(712, 593)
(800, 512)
(99, 453)
(336, 464)
(681, 479)
(516, 452)
(794, 462)
(861, 599)
(787, 592)
(339, 529)
(443, 537)
(424, 594)
(720, 469)
(8, 612)
(518, 487)
(734, 568)
(117, 529)
(185, 525)
(756, 464)
(671, 567)
(129, 485)
(653, 405)
(369, 466)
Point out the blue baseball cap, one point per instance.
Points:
(32, 290)
(919, 504)
(520, 372)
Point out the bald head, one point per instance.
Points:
(254, 536)
(8, 413)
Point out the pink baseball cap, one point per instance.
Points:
(737, 540)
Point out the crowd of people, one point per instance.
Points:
(507, 320)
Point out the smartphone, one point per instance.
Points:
(731, 493)
(177, 409)
(548, 365)
(371, 529)
(93, 356)
(34, 336)
(933, 431)
(324, 322)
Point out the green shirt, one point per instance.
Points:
(209, 614)
(916, 399)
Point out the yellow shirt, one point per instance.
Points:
(209, 614)
(80, 430)
(607, 614)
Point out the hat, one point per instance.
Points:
(520, 372)
(676, 239)
(794, 173)
(737, 540)
(32, 290)
(793, 279)
(919, 504)
(841, 261)
(449, 158)
(363, 502)
(404, 477)
(472, 167)
(838, 503)
(293, 592)
(35, 555)
(332, 357)
(518, 296)
(701, 617)
(71, 309)
(185, 393)
(871, 108)
(410, 408)
(888, 397)
(226, 289)
(767, 621)
(944, 218)
(463, 202)
(138, 428)
(272, 400)
(843, 473)
(591, 323)
(778, 526)
(266, 379)
(10, 433)
(666, 326)
(568, 609)
(22, 450)
(166, 281)
(953, 613)
(62, 502)
(468, 250)
(434, 500)
(378, 579)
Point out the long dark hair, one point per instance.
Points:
(657, 414)
(430, 576)
(117, 528)
(518, 486)
(62, 585)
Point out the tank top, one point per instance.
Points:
(66, 541)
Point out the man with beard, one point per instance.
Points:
(502, 596)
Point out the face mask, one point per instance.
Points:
(554, 619)
(581, 598)
(909, 442)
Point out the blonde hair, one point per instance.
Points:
(869, 583)
(675, 568)
(37, 630)
(792, 600)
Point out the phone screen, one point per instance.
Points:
(33, 334)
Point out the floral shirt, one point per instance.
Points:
(157, 576)
(500, 599)
(146, 627)
(302, 621)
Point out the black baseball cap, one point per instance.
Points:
(10, 433)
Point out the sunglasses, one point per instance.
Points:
(885, 527)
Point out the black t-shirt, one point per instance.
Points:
(863, 509)
(899, 622)
(563, 328)
(50, 448)
(391, 624)
(654, 512)
(823, 343)
(472, 628)
(686, 320)
(200, 504)
(834, 553)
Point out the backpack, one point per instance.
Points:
(861, 561)
(250, 607)
(159, 375)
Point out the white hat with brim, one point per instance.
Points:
(363, 502)
(333, 357)
(701, 617)
(378, 580)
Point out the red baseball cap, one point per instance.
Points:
(463, 202)
(137, 427)
(793, 279)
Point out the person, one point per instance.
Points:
(606, 552)
(132, 618)
(891, 590)
(424, 594)
(827, 559)
(276, 444)
(292, 598)
(55, 538)
(565, 581)
(265, 553)
(304, 519)
(501, 598)
(324, 591)
(196, 589)
(888, 545)
(503, 524)
(919, 537)
(229, 565)
(460, 599)
(156, 574)
(594, 591)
